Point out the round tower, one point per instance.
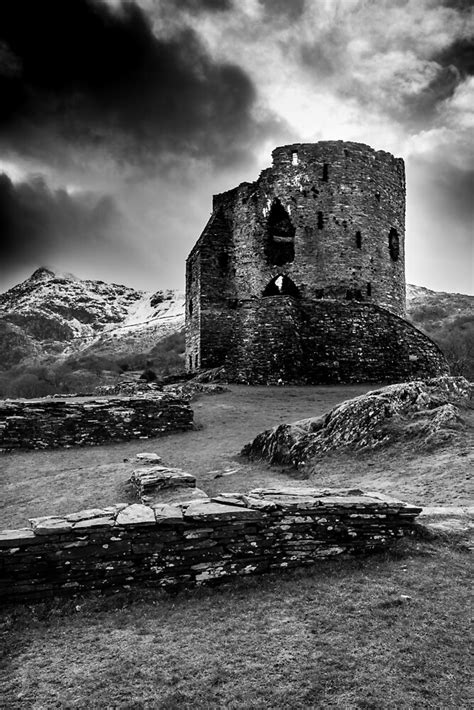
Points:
(330, 216)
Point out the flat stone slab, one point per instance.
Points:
(136, 514)
(165, 513)
(179, 496)
(208, 510)
(148, 458)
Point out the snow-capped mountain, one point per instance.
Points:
(58, 314)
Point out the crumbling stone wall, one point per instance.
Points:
(53, 422)
(167, 545)
(325, 223)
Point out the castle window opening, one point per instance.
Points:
(280, 241)
(325, 172)
(358, 240)
(223, 261)
(320, 220)
(377, 196)
(393, 244)
(281, 286)
(196, 361)
(294, 157)
(190, 361)
(369, 288)
(190, 308)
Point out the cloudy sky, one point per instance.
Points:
(119, 120)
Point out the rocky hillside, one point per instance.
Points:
(59, 315)
(448, 318)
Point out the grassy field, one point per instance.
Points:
(342, 634)
(389, 631)
(34, 483)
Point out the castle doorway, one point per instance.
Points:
(281, 286)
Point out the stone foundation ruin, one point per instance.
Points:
(52, 422)
(299, 277)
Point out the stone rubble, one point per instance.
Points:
(194, 542)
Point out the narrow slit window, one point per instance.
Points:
(196, 360)
(190, 362)
(358, 240)
(325, 172)
(190, 308)
(320, 220)
(393, 244)
(294, 157)
(369, 288)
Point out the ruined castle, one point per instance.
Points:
(299, 277)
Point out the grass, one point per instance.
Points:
(337, 635)
(35, 483)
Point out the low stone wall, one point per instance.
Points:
(54, 422)
(195, 542)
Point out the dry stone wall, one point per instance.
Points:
(196, 542)
(82, 421)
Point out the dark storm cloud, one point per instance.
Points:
(93, 75)
(291, 9)
(459, 54)
(37, 223)
(206, 5)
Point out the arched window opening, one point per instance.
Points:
(393, 244)
(325, 172)
(294, 157)
(280, 242)
(358, 240)
(320, 220)
(281, 286)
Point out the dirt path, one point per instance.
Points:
(34, 483)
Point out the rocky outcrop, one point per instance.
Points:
(194, 542)
(52, 422)
(427, 410)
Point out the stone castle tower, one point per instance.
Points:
(299, 277)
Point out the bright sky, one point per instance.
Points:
(116, 131)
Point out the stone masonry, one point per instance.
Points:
(194, 542)
(53, 422)
(300, 276)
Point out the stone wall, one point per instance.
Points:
(300, 341)
(188, 544)
(53, 422)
